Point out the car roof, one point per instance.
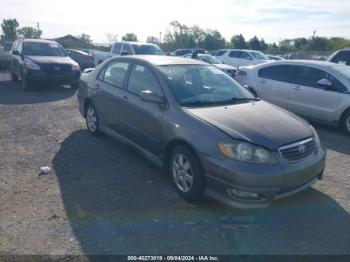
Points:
(159, 60)
(77, 51)
(38, 40)
(133, 43)
(295, 62)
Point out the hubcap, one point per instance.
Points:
(91, 119)
(182, 172)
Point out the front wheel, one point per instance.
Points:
(14, 77)
(27, 85)
(187, 173)
(92, 120)
(346, 123)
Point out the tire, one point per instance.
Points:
(14, 77)
(92, 120)
(27, 85)
(187, 174)
(345, 123)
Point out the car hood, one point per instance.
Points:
(51, 59)
(224, 67)
(257, 122)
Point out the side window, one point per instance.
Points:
(117, 48)
(245, 55)
(142, 79)
(115, 73)
(309, 76)
(234, 54)
(277, 73)
(337, 85)
(127, 49)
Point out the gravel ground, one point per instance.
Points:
(104, 198)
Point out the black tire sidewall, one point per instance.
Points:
(196, 193)
(344, 121)
(97, 131)
(26, 84)
(14, 77)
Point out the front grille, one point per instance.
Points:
(56, 69)
(298, 151)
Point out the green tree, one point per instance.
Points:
(9, 29)
(213, 40)
(153, 40)
(85, 38)
(300, 43)
(254, 43)
(130, 37)
(238, 42)
(29, 32)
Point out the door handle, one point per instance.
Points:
(97, 87)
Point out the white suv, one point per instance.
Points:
(241, 57)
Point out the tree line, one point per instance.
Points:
(182, 36)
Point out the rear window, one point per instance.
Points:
(277, 73)
(342, 56)
(220, 53)
(147, 50)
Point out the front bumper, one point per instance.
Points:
(269, 182)
(39, 77)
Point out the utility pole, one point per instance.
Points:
(160, 37)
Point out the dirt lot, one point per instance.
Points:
(104, 198)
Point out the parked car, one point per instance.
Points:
(5, 55)
(275, 57)
(42, 61)
(183, 52)
(240, 57)
(85, 60)
(341, 57)
(230, 70)
(319, 91)
(208, 131)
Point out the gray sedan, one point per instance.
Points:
(209, 132)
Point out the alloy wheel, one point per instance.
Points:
(182, 172)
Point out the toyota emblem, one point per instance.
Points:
(302, 149)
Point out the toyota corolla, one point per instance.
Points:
(211, 134)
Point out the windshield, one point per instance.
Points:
(258, 55)
(43, 49)
(344, 70)
(210, 59)
(200, 85)
(147, 50)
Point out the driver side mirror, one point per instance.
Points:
(249, 58)
(148, 96)
(15, 52)
(325, 84)
(124, 53)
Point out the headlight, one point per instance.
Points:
(75, 67)
(30, 64)
(246, 152)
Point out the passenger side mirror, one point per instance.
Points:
(148, 96)
(15, 52)
(248, 58)
(325, 84)
(124, 53)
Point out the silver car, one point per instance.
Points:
(319, 91)
(211, 134)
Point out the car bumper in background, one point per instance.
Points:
(228, 180)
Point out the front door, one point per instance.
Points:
(143, 119)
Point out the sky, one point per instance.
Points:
(272, 20)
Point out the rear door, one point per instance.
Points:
(109, 94)
(310, 100)
(274, 84)
(143, 119)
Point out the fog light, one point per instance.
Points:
(242, 194)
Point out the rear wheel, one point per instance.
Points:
(187, 173)
(14, 77)
(27, 85)
(92, 120)
(346, 123)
